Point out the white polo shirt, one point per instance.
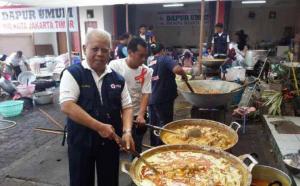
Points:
(69, 89)
(138, 81)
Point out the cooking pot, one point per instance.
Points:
(42, 98)
(228, 131)
(134, 169)
(270, 175)
(252, 56)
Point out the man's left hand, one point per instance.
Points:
(128, 142)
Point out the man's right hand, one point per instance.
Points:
(106, 131)
(184, 77)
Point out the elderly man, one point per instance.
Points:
(96, 101)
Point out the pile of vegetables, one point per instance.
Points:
(274, 99)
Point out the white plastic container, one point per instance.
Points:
(236, 73)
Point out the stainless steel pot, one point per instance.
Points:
(252, 56)
(273, 176)
(42, 98)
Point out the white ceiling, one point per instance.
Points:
(64, 3)
(73, 3)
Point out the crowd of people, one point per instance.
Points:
(107, 102)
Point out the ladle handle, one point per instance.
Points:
(189, 86)
(243, 86)
(159, 128)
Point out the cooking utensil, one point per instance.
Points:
(272, 175)
(243, 86)
(122, 144)
(268, 174)
(25, 77)
(189, 86)
(230, 131)
(136, 154)
(163, 129)
(51, 119)
(209, 100)
(42, 98)
(190, 133)
(134, 169)
(292, 162)
(252, 56)
(53, 131)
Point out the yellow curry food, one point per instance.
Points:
(188, 168)
(209, 137)
(201, 90)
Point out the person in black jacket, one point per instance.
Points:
(220, 42)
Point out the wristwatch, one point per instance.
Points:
(127, 131)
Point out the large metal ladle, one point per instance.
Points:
(194, 132)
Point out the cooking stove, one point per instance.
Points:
(215, 114)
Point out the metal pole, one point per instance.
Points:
(217, 11)
(127, 23)
(69, 47)
(201, 35)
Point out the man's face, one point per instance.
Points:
(19, 54)
(219, 29)
(235, 38)
(142, 30)
(97, 53)
(138, 57)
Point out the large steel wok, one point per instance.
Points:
(223, 98)
(134, 169)
(212, 63)
(228, 131)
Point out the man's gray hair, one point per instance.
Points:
(99, 33)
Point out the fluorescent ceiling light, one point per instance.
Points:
(253, 2)
(173, 5)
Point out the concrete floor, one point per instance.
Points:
(29, 158)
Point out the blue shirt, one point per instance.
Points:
(164, 88)
(121, 51)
